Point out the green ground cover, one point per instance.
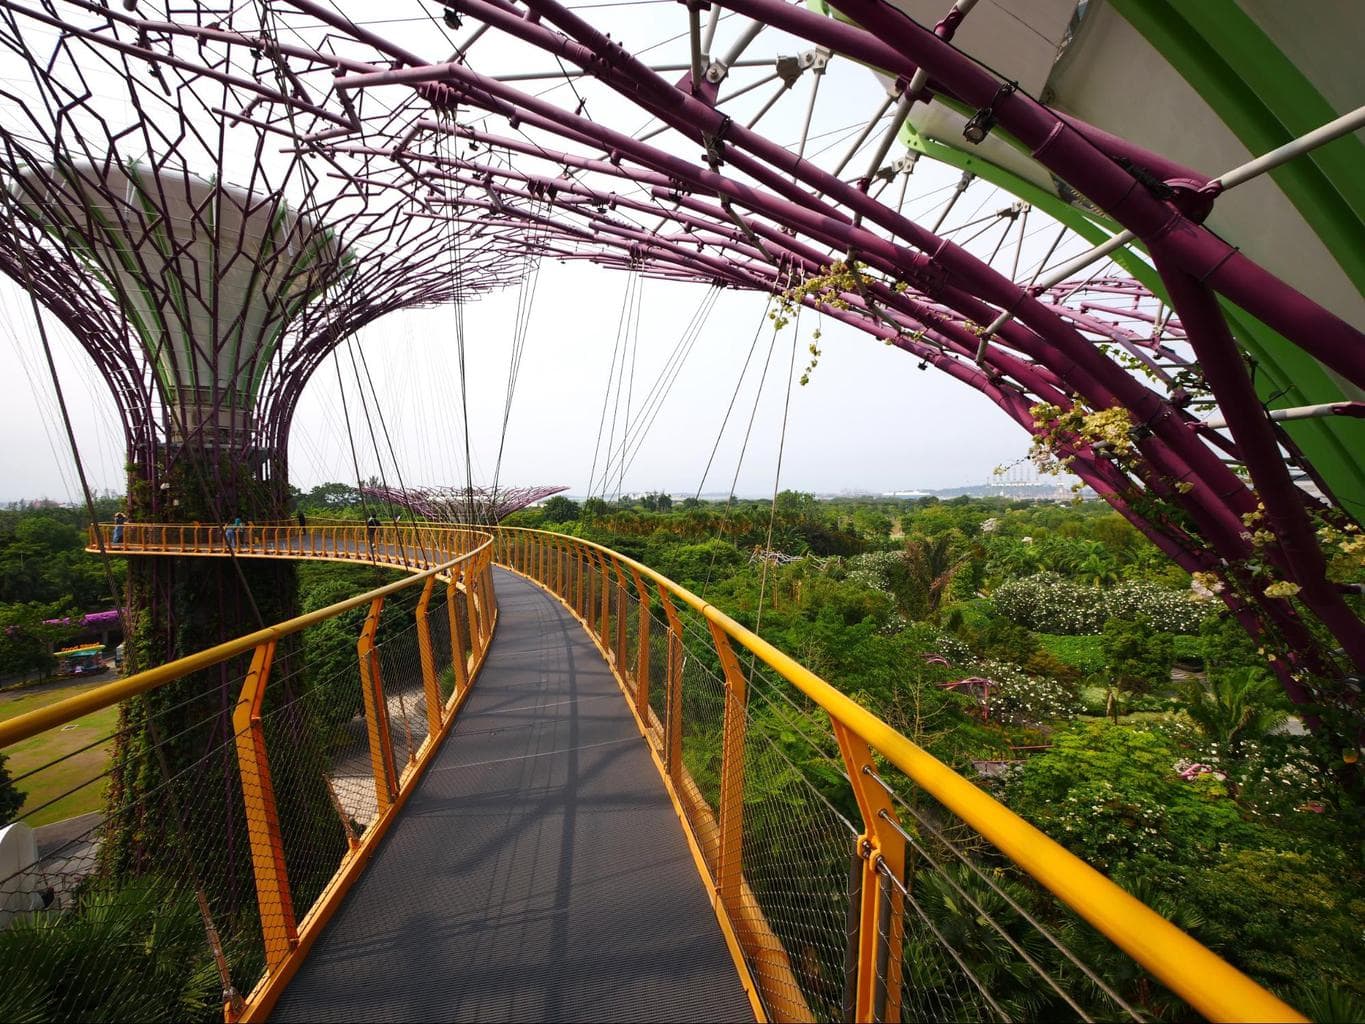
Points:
(1082, 653)
(76, 783)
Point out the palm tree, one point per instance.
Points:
(1235, 706)
(930, 565)
(1096, 565)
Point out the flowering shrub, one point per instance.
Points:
(1020, 698)
(1112, 794)
(874, 570)
(1049, 603)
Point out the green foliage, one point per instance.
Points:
(329, 499)
(1227, 645)
(1082, 653)
(1273, 911)
(11, 799)
(657, 501)
(695, 564)
(27, 639)
(1136, 655)
(43, 560)
(138, 951)
(560, 509)
(1112, 794)
(1235, 706)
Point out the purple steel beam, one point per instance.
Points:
(1076, 159)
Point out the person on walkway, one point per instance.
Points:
(371, 528)
(230, 532)
(303, 520)
(119, 520)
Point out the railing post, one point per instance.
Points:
(730, 865)
(673, 690)
(376, 710)
(430, 685)
(458, 658)
(472, 611)
(622, 638)
(485, 613)
(880, 933)
(273, 898)
(490, 601)
(580, 583)
(604, 602)
(642, 650)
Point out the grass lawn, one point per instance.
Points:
(76, 783)
(1080, 652)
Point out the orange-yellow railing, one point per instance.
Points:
(615, 598)
(707, 720)
(406, 547)
(455, 560)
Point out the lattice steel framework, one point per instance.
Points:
(458, 154)
(205, 266)
(486, 505)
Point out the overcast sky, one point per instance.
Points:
(868, 419)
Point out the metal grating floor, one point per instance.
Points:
(538, 872)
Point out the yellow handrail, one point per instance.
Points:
(22, 727)
(1207, 982)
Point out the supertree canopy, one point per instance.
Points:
(207, 270)
(1146, 252)
(464, 505)
(208, 277)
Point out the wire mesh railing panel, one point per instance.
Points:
(191, 828)
(990, 943)
(702, 732)
(315, 736)
(400, 663)
(134, 898)
(438, 622)
(797, 846)
(658, 665)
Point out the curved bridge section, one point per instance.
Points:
(537, 871)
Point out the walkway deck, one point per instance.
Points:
(538, 872)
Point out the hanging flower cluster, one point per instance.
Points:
(1345, 551)
(1058, 430)
(1205, 587)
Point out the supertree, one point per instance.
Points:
(462, 505)
(706, 191)
(207, 270)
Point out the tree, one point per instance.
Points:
(560, 509)
(11, 799)
(930, 565)
(27, 638)
(331, 495)
(1137, 656)
(1235, 706)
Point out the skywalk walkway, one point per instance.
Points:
(538, 872)
(515, 847)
